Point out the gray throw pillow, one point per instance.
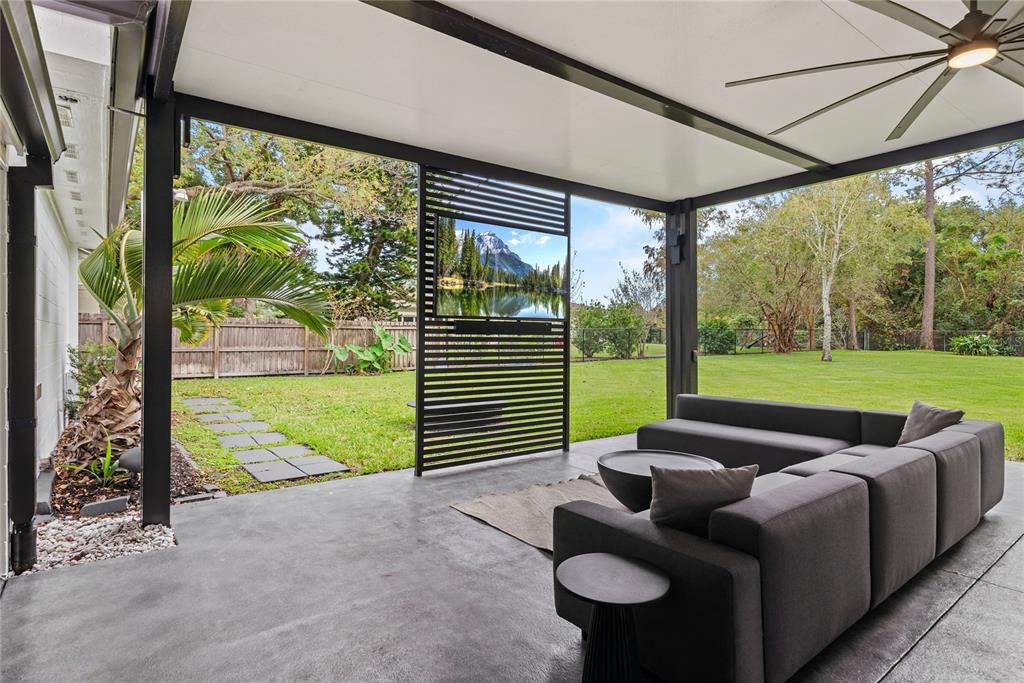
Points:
(925, 420)
(685, 499)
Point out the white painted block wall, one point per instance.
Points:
(56, 321)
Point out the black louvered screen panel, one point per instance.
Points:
(487, 387)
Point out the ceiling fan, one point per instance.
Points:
(990, 35)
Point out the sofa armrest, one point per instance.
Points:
(881, 427)
(709, 626)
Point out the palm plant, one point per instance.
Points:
(224, 247)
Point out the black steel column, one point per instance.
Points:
(681, 301)
(161, 139)
(421, 308)
(21, 350)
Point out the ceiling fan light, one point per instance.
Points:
(974, 53)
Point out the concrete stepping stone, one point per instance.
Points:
(267, 438)
(205, 401)
(217, 408)
(224, 417)
(254, 455)
(240, 415)
(238, 441)
(240, 427)
(317, 464)
(291, 451)
(278, 470)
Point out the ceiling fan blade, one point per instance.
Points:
(1009, 69)
(989, 7)
(838, 65)
(1012, 25)
(923, 101)
(914, 20)
(865, 91)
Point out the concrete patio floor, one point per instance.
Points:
(376, 578)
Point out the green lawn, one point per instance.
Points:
(364, 421)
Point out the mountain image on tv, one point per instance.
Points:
(486, 270)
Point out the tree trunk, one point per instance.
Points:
(112, 410)
(812, 328)
(826, 317)
(928, 300)
(851, 324)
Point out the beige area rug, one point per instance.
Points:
(527, 514)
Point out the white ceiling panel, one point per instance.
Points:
(355, 67)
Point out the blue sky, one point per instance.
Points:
(534, 248)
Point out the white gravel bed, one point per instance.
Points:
(62, 542)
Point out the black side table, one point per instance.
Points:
(614, 586)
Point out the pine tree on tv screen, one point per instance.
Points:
(490, 271)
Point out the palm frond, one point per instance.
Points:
(291, 289)
(195, 322)
(100, 273)
(213, 219)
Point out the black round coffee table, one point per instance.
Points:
(627, 474)
(614, 585)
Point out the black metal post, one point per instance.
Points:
(21, 329)
(681, 301)
(421, 309)
(161, 139)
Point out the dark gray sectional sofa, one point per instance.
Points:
(839, 519)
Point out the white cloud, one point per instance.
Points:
(513, 242)
(543, 239)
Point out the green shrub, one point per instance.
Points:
(86, 363)
(716, 336)
(746, 321)
(624, 330)
(975, 345)
(373, 359)
(587, 329)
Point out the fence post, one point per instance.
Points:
(305, 352)
(216, 352)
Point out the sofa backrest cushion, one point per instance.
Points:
(684, 498)
(925, 420)
(813, 542)
(882, 427)
(797, 418)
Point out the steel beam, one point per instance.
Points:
(161, 142)
(680, 301)
(21, 351)
(468, 29)
(167, 29)
(957, 144)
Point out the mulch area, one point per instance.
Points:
(72, 490)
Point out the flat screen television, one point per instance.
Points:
(490, 271)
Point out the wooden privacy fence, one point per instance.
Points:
(243, 347)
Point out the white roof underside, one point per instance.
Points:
(351, 66)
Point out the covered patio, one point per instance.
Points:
(377, 577)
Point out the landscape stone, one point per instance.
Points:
(269, 437)
(44, 488)
(254, 455)
(254, 426)
(279, 470)
(131, 459)
(290, 451)
(325, 468)
(237, 441)
(102, 507)
(227, 427)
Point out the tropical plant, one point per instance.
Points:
(377, 357)
(103, 470)
(975, 345)
(224, 247)
(716, 336)
(87, 363)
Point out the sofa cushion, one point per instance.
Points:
(769, 482)
(958, 484)
(736, 446)
(865, 449)
(925, 420)
(842, 424)
(993, 468)
(812, 540)
(822, 464)
(881, 426)
(684, 499)
(901, 497)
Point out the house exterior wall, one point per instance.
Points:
(56, 321)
